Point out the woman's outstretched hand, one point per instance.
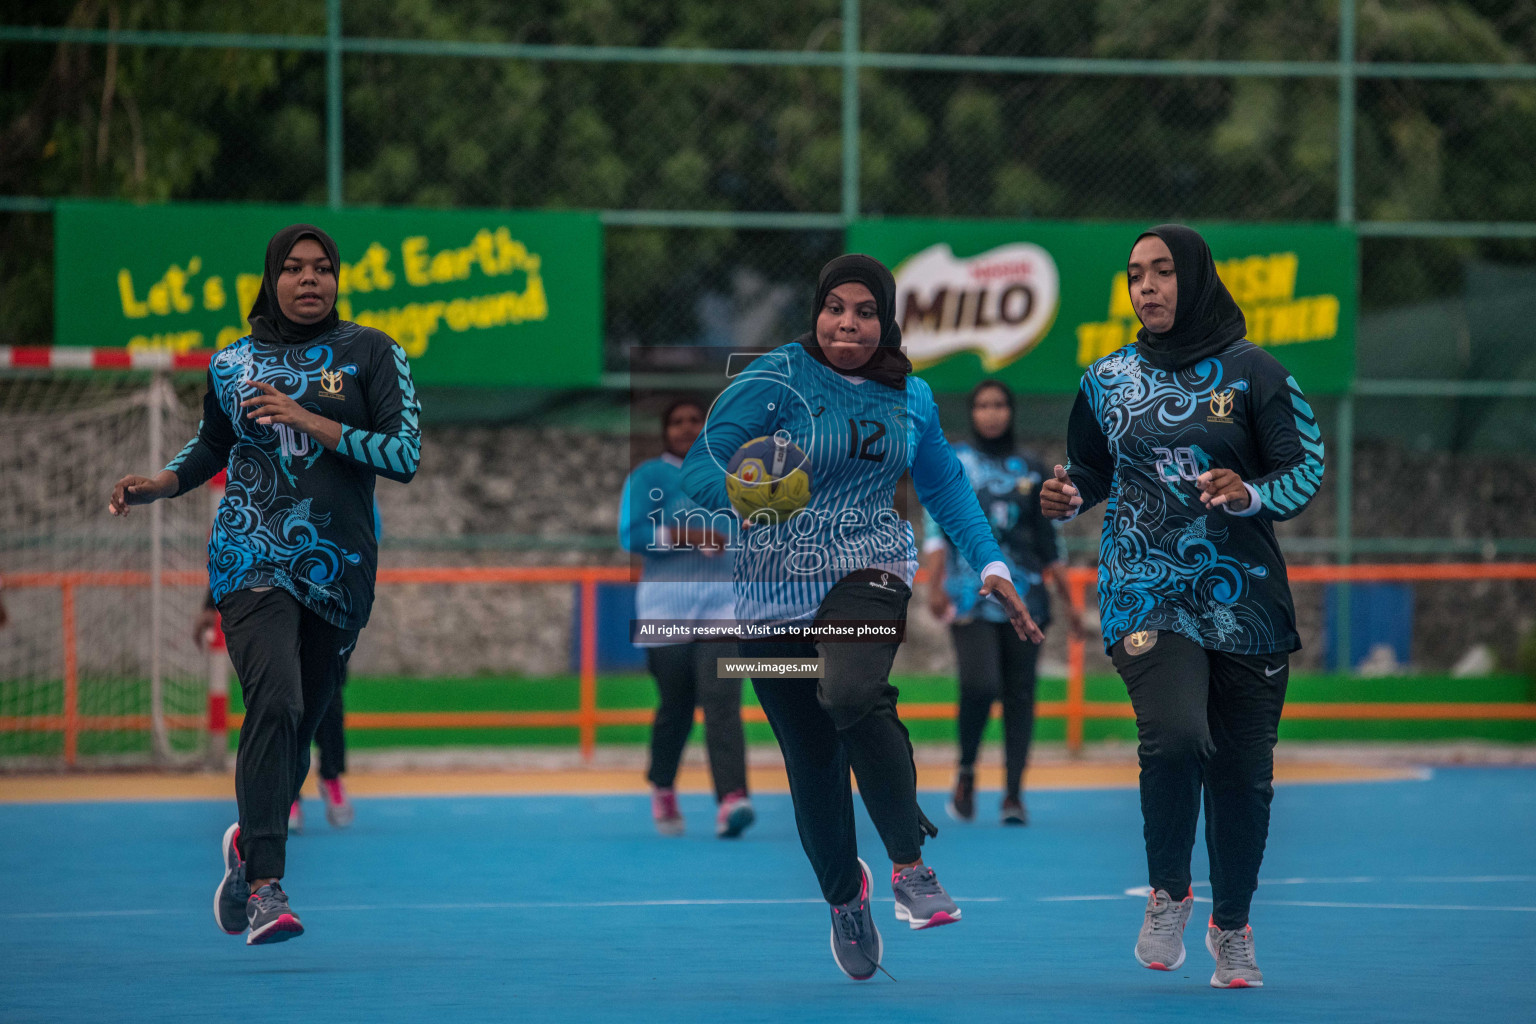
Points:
(1223, 487)
(1023, 625)
(141, 490)
(1059, 499)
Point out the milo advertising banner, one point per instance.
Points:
(1033, 303)
(481, 297)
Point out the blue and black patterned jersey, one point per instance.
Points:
(295, 515)
(1139, 437)
(1008, 491)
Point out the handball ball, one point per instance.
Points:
(769, 478)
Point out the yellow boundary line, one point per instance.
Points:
(143, 786)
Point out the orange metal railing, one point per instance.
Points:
(1076, 708)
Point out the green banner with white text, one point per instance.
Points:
(1034, 303)
(475, 297)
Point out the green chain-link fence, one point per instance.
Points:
(727, 146)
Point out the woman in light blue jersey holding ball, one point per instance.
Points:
(842, 563)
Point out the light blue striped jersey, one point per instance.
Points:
(860, 437)
(677, 583)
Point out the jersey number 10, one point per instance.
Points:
(291, 442)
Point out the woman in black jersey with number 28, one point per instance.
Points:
(1199, 441)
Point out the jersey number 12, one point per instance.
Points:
(858, 448)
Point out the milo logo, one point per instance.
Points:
(998, 304)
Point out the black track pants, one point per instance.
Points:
(1207, 724)
(846, 719)
(289, 662)
(686, 678)
(331, 736)
(994, 664)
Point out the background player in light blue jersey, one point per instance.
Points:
(843, 394)
(686, 578)
(991, 660)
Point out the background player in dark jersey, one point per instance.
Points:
(992, 661)
(1199, 440)
(305, 411)
(843, 394)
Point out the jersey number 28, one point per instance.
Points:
(1176, 463)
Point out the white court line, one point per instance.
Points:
(550, 905)
(611, 904)
(1395, 906)
(1366, 879)
(1138, 892)
(1142, 891)
(45, 914)
(1472, 879)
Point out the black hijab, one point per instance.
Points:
(672, 407)
(888, 365)
(1207, 320)
(267, 320)
(1001, 446)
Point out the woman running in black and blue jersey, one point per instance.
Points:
(305, 413)
(992, 662)
(1200, 441)
(843, 395)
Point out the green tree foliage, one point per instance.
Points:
(157, 123)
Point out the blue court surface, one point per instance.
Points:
(1385, 901)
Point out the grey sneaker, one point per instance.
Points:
(230, 897)
(1013, 812)
(1235, 966)
(962, 802)
(270, 918)
(1161, 943)
(856, 945)
(920, 900)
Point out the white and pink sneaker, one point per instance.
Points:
(338, 809)
(669, 820)
(920, 900)
(735, 815)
